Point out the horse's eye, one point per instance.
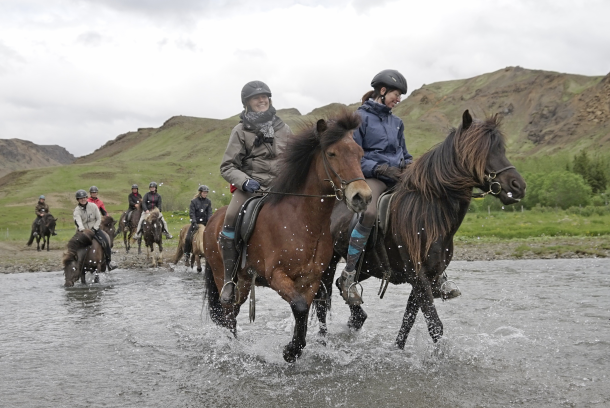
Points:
(331, 154)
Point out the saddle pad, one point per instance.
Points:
(246, 220)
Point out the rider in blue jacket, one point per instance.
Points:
(381, 136)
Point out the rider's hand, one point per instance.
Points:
(147, 211)
(250, 186)
(81, 229)
(384, 170)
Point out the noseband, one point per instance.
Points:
(494, 186)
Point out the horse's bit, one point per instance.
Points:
(494, 186)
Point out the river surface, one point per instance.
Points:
(523, 333)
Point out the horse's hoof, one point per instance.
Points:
(290, 354)
(321, 341)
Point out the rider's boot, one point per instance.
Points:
(226, 241)
(54, 233)
(167, 234)
(187, 257)
(347, 282)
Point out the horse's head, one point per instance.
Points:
(108, 225)
(341, 157)
(329, 146)
(484, 146)
(50, 222)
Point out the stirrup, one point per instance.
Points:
(350, 294)
(187, 257)
(449, 290)
(230, 301)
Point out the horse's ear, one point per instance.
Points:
(466, 120)
(55, 219)
(321, 126)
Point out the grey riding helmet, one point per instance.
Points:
(93, 189)
(134, 186)
(254, 88)
(390, 78)
(203, 188)
(152, 184)
(81, 194)
(41, 198)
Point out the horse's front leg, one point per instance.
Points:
(38, 242)
(300, 310)
(408, 319)
(126, 238)
(199, 268)
(48, 243)
(323, 297)
(426, 302)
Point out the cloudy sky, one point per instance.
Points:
(80, 72)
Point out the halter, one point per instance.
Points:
(339, 191)
(494, 186)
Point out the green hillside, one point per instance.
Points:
(547, 117)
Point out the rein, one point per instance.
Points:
(339, 192)
(494, 187)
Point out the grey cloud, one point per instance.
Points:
(90, 38)
(9, 59)
(252, 53)
(186, 44)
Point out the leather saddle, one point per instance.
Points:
(381, 225)
(246, 219)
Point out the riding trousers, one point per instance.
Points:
(238, 199)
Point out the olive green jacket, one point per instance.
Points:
(242, 160)
(41, 209)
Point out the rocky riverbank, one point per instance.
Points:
(16, 258)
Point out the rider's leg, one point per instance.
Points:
(357, 243)
(107, 250)
(165, 229)
(226, 241)
(37, 225)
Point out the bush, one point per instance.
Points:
(561, 189)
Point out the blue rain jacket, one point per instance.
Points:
(381, 136)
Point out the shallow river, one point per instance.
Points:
(524, 333)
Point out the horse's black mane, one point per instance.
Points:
(432, 190)
(301, 148)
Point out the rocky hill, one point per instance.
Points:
(17, 154)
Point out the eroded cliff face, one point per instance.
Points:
(17, 154)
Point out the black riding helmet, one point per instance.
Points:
(93, 189)
(203, 187)
(390, 78)
(253, 88)
(152, 184)
(81, 194)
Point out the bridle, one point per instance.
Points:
(339, 191)
(494, 186)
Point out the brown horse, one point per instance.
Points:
(291, 242)
(197, 245)
(430, 203)
(44, 230)
(128, 228)
(152, 228)
(84, 254)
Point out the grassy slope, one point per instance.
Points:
(186, 151)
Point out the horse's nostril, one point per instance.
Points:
(515, 184)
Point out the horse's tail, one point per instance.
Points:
(70, 260)
(213, 297)
(122, 222)
(180, 249)
(31, 238)
(199, 241)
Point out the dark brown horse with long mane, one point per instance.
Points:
(44, 230)
(429, 205)
(84, 254)
(291, 243)
(128, 227)
(152, 228)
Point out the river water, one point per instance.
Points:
(523, 333)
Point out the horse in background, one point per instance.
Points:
(428, 207)
(197, 244)
(84, 254)
(128, 228)
(45, 229)
(291, 243)
(152, 232)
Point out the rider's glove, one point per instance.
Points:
(250, 186)
(383, 170)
